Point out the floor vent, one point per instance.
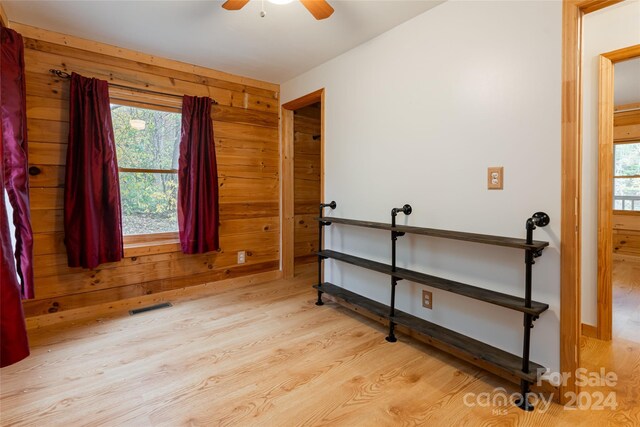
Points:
(151, 307)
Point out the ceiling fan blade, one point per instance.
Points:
(320, 9)
(234, 4)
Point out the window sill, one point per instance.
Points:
(151, 244)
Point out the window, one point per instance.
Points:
(626, 181)
(147, 146)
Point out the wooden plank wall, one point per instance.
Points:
(626, 235)
(3, 17)
(626, 227)
(306, 182)
(246, 135)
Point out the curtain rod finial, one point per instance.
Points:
(60, 73)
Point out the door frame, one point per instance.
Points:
(571, 203)
(605, 185)
(287, 162)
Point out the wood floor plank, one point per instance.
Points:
(265, 355)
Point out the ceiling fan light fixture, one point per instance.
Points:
(320, 9)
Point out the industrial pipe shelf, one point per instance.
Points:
(520, 367)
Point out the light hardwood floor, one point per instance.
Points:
(626, 299)
(622, 354)
(265, 355)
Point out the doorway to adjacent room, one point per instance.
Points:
(302, 178)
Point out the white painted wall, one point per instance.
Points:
(627, 80)
(603, 31)
(416, 116)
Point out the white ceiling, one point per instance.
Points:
(627, 82)
(284, 44)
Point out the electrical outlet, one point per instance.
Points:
(241, 257)
(495, 178)
(427, 299)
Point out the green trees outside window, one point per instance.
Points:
(147, 146)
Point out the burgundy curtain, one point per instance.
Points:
(197, 179)
(92, 219)
(13, 167)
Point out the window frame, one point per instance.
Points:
(158, 103)
(613, 202)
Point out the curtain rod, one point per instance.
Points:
(65, 75)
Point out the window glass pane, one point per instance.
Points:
(146, 139)
(626, 194)
(627, 159)
(149, 202)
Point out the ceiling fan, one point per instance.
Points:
(320, 9)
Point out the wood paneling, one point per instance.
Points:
(245, 125)
(71, 301)
(48, 176)
(622, 221)
(45, 153)
(47, 131)
(306, 180)
(46, 266)
(133, 58)
(627, 242)
(306, 238)
(626, 236)
(109, 308)
(4, 21)
(57, 49)
(46, 198)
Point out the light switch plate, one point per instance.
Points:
(495, 178)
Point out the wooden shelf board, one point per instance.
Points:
(487, 239)
(357, 223)
(477, 293)
(461, 343)
(370, 305)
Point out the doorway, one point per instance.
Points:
(605, 347)
(619, 195)
(302, 178)
(306, 182)
(573, 12)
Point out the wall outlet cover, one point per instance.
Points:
(427, 299)
(495, 178)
